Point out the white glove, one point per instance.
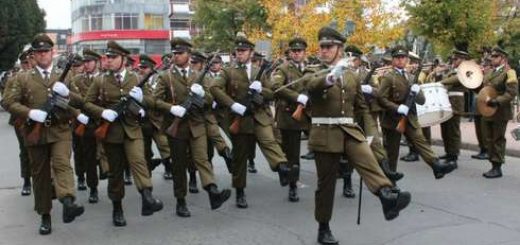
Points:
(238, 108)
(336, 72)
(137, 94)
(367, 89)
(214, 105)
(60, 89)
(403, 110)
(415, 88)
(197, 89)
(37, 115)
(256, 86)
(370, 139)
(82, 118)
(178, 111)
(302, 99)
(109, 115)
(142, 113)
(343, 64)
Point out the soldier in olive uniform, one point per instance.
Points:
(175, 88)
(450, 130)
(234, 89)
(369, 86)
(30, 92)
(152, 123)
(26, 62)
(394, 91)
(123, 143)
(336, 100)
(85, 146)
(504, 80)
(287, 101)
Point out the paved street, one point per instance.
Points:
(462, 208)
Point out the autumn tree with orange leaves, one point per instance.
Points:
(374, 25)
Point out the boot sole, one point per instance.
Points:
(224, 196)
(45, 232)
(402, 202)
(149, 211)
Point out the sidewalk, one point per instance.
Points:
(469, 138)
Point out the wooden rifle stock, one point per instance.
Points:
(174, 127)
(80, 130)
(401, 126)
(234, 128)
(102, 130)
(298, 113)
(34, 135)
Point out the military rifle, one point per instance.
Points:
(193, 99)
(48, 107)
(252, 99)
(102, 130)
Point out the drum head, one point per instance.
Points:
(470, 74)
(483, 95)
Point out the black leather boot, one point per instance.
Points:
(325, 235)
(241, 198)
(393, 201)
(216, 197)
(444, 157)
(411, 157)
(71, 210)
(150, 204)
(118, 218)
(181, 209)
(93, 198)
(283, 173)
(251, 166)
(81, 184)
(228, 158)
(440, 169)
(46, 225)
(154, 163)
(452, 159)
(348, 192)
(482, 155)
(192, 183)
(167, 169)
(390, 174)
(309, 156)
(26, 188)
(494, 172)
(293, 192)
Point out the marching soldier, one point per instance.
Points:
(287, 101)
(85, 146)
(253, 121)
(395, 89)
(504, 80)
(27, 64)
(151, 126)
(369, 86)
(32, 90)
(450, 130)
(336, 98)
(175, 88)
(123, 143)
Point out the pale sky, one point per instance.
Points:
(58, 13)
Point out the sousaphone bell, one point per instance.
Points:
(487, 93)
(469, 74)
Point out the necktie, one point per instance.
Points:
(183, 71)
(46, 76)
(119, 78)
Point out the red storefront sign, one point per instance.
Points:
(121, 34)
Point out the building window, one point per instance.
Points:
(124, 21)
(153, 22)
(92, 22)
(180, 24)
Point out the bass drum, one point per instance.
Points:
(437, 108)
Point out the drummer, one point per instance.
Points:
(413, 153)
(450, 130)
(394, 91)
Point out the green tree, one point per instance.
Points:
(221, 20)
(20, 20)
(448, 22)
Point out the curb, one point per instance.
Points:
(474, 147)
